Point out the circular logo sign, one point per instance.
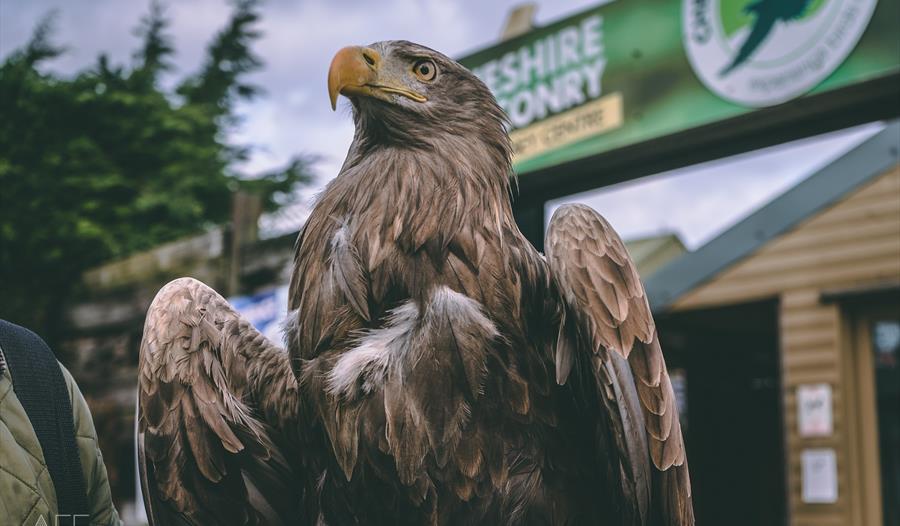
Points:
(763, 52)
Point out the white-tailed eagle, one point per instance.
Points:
(437, 369)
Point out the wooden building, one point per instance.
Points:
(795, 305)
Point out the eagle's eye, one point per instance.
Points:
(425, 70)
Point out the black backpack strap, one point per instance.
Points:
(41, 389)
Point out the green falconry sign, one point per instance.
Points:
(629, 71)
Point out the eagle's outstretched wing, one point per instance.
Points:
(607, 323)
(212, 392)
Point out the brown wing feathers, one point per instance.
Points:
(603, 292)
(207, 456)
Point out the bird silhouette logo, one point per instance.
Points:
(766, 14)
(758, 53)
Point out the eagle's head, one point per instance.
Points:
(406, 94)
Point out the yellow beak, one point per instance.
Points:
(352, 70)
(356, 70)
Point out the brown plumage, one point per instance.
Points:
(438, 370)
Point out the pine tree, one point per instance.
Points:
(152, 56)
(107, 163)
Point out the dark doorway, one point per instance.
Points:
(884, 342)
(726, 361)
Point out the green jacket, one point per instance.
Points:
(26, 490)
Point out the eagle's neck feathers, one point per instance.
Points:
(415, 194)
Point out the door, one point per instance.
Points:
(731, 375)
(877, 355)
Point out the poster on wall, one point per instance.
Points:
(819, 472)
(814, 414)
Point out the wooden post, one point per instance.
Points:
(244, 231)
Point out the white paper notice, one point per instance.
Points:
(819, 476)
(814, 410)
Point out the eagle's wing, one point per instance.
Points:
(212, 393)
(607, 321)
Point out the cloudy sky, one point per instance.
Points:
(294, 116)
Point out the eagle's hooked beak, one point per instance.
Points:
(357, 70)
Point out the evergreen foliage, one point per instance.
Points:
(107, 162)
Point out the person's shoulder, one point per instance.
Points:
(97, 484)
(81, 414)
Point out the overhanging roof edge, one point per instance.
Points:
(848, 172)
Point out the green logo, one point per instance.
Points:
(736, 14)
(763, 52)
